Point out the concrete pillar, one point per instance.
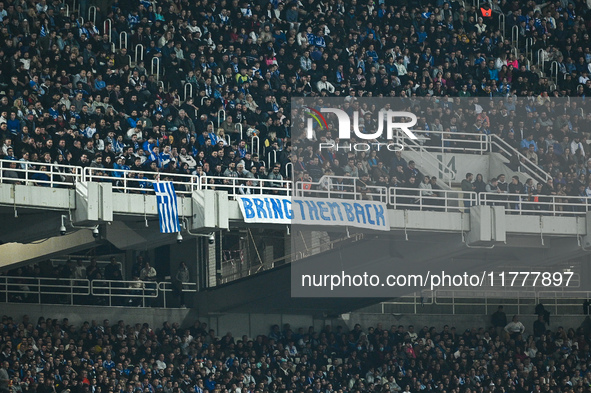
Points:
(487, 225)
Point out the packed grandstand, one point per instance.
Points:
(207, 88)
(54, 356)
(211, 89)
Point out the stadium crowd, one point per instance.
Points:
(54, 356)
(70, 97)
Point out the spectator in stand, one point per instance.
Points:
(468, 187)
(539, 327)
(181, 278)
(188, 359)
(148, 275)
(499, 319)
(515, 327)
(249, 64)
(5, 378)
(112, 270)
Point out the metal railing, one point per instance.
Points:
(123, 40)
(238, 127)
(541, 60)
(343, 187)
(254, 142)
(466, 301)
(446, 173)
(107, 28)
(470, 299)
(42, 290)
(155, 67)
(37, 173)
(125, 292)
(130, 181)
(237, 186)
(271, 158)
(166, 288)
(554, 72)
(523, 204)
(233, 269)
(139, 53)
(92, 14)
(529, 53)
(426, 199)
(74, 291)
(221, 116)
(451, 142)
(515, 37)
(289, 170)
(188, 94)
(509, 151)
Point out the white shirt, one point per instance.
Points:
(515, 327)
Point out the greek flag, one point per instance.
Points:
(43, 32)
(168, 213)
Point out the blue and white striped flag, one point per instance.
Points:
(43, 32)
(168, 212)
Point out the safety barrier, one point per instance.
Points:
(92, 14)
(155, 67)
(344, 187)
(428, 199)
(529, 42)
(235, 268)
(38, 290)
(79, 291)
(271, 158)
(238, 127)
(528, 166)
(129, 181)
(107, 28)
(37, 173)
(190, 91)
(139, 55)
(237, 186)
(515, 37)
(445, 172)
(541, 59)
(289, 170)
(123, 40)
(522, 204)
(450, 142)
(254, 147)
(221, 116)
(133, 293)
(166, 288)
(554, 71)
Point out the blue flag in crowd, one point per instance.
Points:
(168, 213)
